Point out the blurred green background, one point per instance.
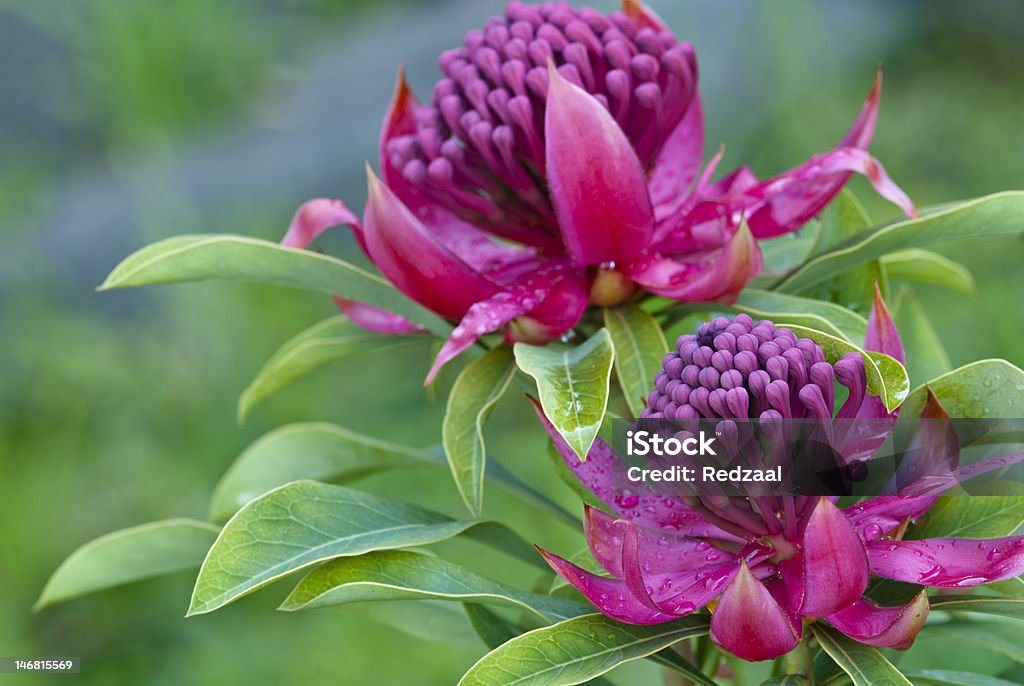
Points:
(126, 121)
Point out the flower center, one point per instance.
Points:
(479, 148)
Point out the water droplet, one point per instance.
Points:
(627, 501)
(931, 575)
(872, 531)
(713, 555)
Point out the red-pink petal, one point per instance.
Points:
(659, 551)
(718, 276)
(835, 565)
(597, 184)
(521, 299)
(610, 596)
(948, 562)
(316, 216)
(793, 198)
(678, 162)
(940, 483)
(882, 335)
(885, 627)
(643, 506)
(876, 517)
(749, 623)
(412, 258)
(863, 128)
(375, 319)
(934, 448)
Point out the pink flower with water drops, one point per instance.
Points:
(559, 163)
(772, 563)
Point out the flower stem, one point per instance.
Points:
(800, 660)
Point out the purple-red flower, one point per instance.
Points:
(773, 562)
(559, 163)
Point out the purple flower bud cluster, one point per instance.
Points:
(479, 147)
(742, 369)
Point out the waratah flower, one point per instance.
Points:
(558, 164)
(771, 562)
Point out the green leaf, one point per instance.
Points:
(428, 620)
(1014, 588)
(825, 316)
(408, 575)
(492, 628)
(865, 665)
(987, 388)
(925, 266)
(787, 251)
(472, 398)
(239, 258)
(972, 517)
(992, 215)
(787, 680)
(325, 452)
(129, 555)
(304, 523)
(815, 314)
(921, 343)
(941, 677)
(639, 346)
(573, 385)
(319, 452)
(322, 343)
(1003, 607)
(997, 636)
(573, 651)
(853, 288)
(887, 378)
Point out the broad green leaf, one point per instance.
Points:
(787, 680)
(1003, 607)
(1014, 588)
(670, 659)
(997, 636)
(492, 628)
(480, 385)
(428, 620)
(942, 677)
(853, 288)
(925, 266)
(639, 348)
(304, 523)
(922, 344)
(573, 651)
(992, 215)
(824, 316)
(129, 555)
(972, 517)
(573, 385)
(408, 575)
(240, 258)
(887, 378)
(788, 250)
(987, 388)
(325, 452)
(865, 665)
(320, 452)
(815, 314)
(322, 343)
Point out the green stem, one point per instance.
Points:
(800, 660)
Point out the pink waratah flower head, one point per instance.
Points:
(772, 562)
(559, 163)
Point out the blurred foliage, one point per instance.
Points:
(119, 409)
